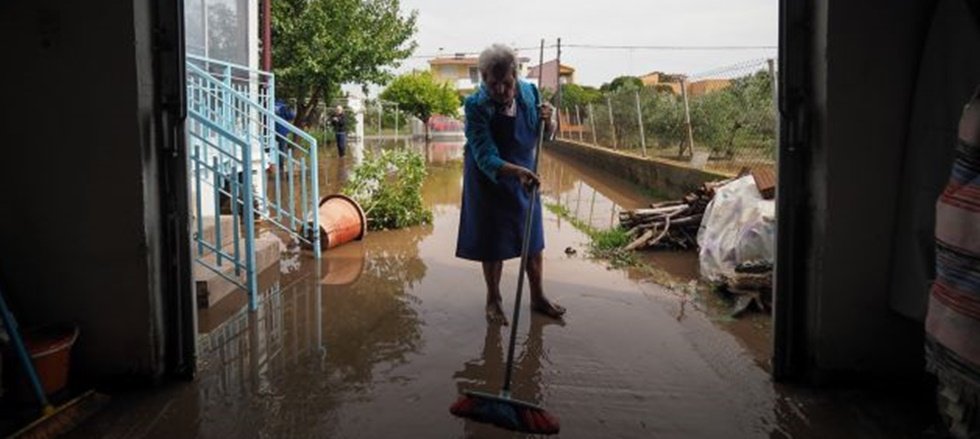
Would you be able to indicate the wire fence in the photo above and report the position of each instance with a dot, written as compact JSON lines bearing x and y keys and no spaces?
{"x":723,"y":120}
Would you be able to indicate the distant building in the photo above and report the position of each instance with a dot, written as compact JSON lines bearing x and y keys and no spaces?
{"x":654,"y":79}
{"x":463,"y":72}
{"x":695,"y":88}
{"x":550,"y":79}
{"x":704,"y":86}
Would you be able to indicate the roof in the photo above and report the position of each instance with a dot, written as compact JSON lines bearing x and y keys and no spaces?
{"x":666,"y":76}
{"x":565,"y":69}
{"x":448,"y":60}
{"x":454,"y":60}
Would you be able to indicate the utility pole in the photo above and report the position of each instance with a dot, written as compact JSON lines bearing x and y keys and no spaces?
{"x":558,"y":83}
{"x":266,"y":35}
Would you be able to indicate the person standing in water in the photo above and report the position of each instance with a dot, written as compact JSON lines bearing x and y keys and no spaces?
{"x":338,"y":120}
{"x":502,"y":118}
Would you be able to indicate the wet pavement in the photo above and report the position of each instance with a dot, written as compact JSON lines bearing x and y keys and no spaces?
{"x":379,"y":339}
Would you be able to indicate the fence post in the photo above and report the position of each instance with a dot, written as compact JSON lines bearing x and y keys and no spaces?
{"x":595,"y":140}
{"x":612,"y":125}
{"x":687,"y":118}
{"x":639,"y":119}
{"x":396,"y":122}
{"x":578,"y":117}
{"x":775,"y":100}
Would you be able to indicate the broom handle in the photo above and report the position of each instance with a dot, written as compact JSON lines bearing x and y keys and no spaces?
{"x":525,"y":244}
{"x":25,"y":358}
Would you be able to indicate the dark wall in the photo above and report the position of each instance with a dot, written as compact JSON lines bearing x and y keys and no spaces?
{"x":865,"y":59}
{"x":79,"y":238}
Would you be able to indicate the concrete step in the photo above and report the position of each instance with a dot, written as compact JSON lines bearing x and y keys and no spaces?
{"x":211,"y":287}
{"x":227,"y":227}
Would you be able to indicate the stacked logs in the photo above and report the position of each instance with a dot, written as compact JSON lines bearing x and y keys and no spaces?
{"x":669,"y":224}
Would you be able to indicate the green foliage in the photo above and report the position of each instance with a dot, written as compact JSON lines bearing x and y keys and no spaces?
{"x":421,"y":95}
{"x":321,"y":44}
{"x":622,"y":83}
{"x":603,"y":244}
{"x":739,"y":117}
{"x":389,"y":188}
{"x":573,"y":95}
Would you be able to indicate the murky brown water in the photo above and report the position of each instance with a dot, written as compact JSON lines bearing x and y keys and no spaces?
{"x":379,"y":340}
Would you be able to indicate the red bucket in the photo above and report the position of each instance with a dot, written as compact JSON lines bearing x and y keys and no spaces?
{"x":341,"y":221}
{"x":50,"y":350}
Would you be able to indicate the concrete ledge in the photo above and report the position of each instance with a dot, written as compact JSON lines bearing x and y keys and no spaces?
{"x":669,"y":178}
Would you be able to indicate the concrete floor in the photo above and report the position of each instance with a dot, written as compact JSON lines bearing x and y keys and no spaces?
{"x":378,"y":341}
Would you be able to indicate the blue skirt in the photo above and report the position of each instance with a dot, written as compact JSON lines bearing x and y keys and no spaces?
{"x":491,"y":223}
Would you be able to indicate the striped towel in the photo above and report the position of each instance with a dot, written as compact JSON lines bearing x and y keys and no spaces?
{"x":953,"y":319}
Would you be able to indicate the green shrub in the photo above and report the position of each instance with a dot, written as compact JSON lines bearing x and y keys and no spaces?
{"x":388,"y":186}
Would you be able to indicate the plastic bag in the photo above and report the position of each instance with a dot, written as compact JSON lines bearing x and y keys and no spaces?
{"x":738,"y":226}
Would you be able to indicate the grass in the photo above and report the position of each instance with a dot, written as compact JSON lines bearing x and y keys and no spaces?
{"x":603,"y":244}
{"x":608,"y":245}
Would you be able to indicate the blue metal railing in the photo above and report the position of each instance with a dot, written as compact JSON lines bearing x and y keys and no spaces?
{"x":234,"y":144}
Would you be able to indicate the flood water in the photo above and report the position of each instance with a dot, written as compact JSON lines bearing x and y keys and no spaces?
{"x":378,"y":340}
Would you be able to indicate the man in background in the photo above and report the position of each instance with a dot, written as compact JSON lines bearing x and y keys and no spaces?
{"x":338,"y":120}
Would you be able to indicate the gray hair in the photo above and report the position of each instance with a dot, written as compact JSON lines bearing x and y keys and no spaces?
{"x":498,"y":58}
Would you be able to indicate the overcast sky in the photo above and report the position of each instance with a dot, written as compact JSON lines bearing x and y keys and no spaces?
{"x":469,"y":26}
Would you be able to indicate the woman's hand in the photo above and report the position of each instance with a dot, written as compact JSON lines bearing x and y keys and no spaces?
{"x":527,"y":178}
{"x":546,"y":111}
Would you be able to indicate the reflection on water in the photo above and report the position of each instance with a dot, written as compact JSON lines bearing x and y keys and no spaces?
{"x":485,"y":372}
{"x":378,"y":339}
{"x":317,"y":341}
{"x":587,"y":194}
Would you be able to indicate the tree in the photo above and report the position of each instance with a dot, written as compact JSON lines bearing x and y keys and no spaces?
{"x":574,"y":94}
{"x":421,"y":95}
{"x":622,"y":83}
{"x":320,"y":44}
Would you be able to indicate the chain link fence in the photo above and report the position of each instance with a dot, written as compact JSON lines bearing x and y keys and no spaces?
{"x":723,"y":119}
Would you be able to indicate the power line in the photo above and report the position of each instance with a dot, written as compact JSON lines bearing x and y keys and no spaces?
{"x":614,"y":47}
{"x":609,"y":47}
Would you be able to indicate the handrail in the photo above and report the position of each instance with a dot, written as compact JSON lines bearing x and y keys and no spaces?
{"x":227,"y":123}
{"x":235,"y":93}
{"x":260,"y":73}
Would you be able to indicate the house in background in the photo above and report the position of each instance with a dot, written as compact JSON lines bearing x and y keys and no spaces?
{"x":655,"y":79}
{"x":673,"y":81}
{"x":463,"y":72}
{"x":705,"y":86}
{"x":552,"y":75}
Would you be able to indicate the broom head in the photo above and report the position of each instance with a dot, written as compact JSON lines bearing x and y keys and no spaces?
{"x":505,"y":412}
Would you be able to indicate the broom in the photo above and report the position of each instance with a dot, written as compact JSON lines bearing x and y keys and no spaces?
{"x":502,"y":410}
{"x":53,"y":421}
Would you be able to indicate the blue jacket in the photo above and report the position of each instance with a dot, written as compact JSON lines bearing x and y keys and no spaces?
{"x":480,"y":109}
{"x":283,"y":111}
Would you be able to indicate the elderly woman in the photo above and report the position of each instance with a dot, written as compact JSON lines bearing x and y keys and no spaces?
{"x":502,"y":119}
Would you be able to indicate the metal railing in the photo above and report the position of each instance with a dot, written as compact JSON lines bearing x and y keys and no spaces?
{"x":241,"y":152}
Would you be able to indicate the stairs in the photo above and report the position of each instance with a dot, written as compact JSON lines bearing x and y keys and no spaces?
{"x":234,"y":138}
{"x":211,"y":286}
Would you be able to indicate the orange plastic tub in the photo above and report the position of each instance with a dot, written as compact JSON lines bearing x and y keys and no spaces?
{"x":50,"y":350}
{"x":341,"y":221}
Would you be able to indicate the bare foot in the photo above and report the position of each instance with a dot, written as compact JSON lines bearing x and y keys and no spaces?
{"x":546,"y":307}
{"x":495,"y":313}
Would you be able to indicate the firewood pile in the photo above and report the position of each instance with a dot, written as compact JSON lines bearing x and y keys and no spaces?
{"x":669,"y":224}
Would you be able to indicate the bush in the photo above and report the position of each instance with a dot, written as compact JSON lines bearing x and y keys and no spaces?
{"x":389,"y":188}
